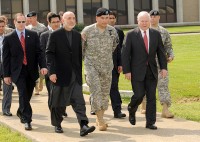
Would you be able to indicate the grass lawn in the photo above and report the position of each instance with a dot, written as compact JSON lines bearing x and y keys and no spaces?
{"x":6,"y":135}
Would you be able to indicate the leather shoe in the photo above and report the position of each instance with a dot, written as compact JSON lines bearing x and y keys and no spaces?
{"x":65,"y":114}
{"x":86,"y":129}
{"x":22,"y":118}
{"x":119,"y":115}
{"x":152,"y":127}
{"x":58,"y":129}
{"x":92,"y":113}
{"x":131,"y":116}
{"x":7,"y":113}
{"x":28,"y":126}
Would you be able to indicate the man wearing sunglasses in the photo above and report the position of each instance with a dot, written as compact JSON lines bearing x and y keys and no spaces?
{"x":21,"y":56}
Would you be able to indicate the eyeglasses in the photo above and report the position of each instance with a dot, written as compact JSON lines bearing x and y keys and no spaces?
{"x":20,"y":22}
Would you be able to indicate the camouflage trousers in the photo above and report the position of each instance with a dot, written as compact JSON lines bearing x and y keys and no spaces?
{"x":99,"y":84}
{"x":163,"y":90}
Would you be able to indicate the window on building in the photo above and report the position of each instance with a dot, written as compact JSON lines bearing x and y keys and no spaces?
{"x":9,"y":8}
{"x":167,"y":9}
{"x":66,"y":5}
{"x":42,"y":7}
{"x":142,"y":5}
{"x":120,"y":7}
{"x":89,"y":10}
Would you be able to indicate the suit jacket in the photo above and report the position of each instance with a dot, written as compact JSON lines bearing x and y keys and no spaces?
{"x":44,"y":40}
{"x":13,"y":55}
{"x":62,"y":58}
{"x":117,"y":53}
{"x":135,"y":57}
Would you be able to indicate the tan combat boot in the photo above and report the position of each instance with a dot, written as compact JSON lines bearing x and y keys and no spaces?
{"x":165,"y":112}
{"x":100,"y":122}
{"x":143,"y":106}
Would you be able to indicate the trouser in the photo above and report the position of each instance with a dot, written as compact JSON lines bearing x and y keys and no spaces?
{"x":99,"y":84}
{"x":7,"y":97}
{"x":146,"y":87}
{"x":78,"y":104}
{"x":114,"y":93}
{"x":25,"y":86}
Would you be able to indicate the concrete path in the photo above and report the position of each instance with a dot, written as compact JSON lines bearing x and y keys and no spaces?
{"x":119,"y":130}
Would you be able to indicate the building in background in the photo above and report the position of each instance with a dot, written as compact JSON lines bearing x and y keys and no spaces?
{"x":171,"y":11}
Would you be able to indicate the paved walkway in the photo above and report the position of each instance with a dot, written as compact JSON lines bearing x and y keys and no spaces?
{"x":169,"y":130}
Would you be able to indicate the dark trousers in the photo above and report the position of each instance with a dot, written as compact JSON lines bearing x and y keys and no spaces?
{"x":114,"y":92}
{"x":48,"y":85}
{"x":77,"y":102}
{"x":7,"y":97}
{"x":148,"y":88}
{"x":25,"y":86}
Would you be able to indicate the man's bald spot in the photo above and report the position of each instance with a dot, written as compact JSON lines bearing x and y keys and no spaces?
{"x":68,"y":13}
{"x":142,"y":14}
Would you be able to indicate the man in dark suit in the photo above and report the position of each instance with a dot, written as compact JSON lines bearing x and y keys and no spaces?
{"x":53,"y":24}
{"x":64,"y":61}
{"x":114,"y":90}
{"x":21,"y":56}
{"x":142,"y":44}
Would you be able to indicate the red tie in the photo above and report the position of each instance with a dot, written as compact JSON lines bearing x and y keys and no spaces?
{"x":146,"y":41}
{"x":22,"y":40}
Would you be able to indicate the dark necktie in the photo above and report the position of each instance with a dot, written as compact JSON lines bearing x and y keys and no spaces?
{"x":22,"y":40}
{"x":146,"y":41}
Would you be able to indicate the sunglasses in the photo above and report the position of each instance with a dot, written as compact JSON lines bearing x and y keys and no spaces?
{"x":20,"y":22}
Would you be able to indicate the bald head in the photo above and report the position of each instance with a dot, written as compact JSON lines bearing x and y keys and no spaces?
{"x":69,"y":20}
{"x":143,"y":19}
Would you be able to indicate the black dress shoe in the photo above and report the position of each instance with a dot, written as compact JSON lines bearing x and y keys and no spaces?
{"x":119,"y":115}
{"x":22,"y":118}
{"x":7,"y":113}
{"x":86,"y":129}
{"x":58,"y":129}
{"x":152,"y":127}
{"x":28,"y":126}
{"x":131,"y":115}
{"x":65,"y":114}
{"x":92,"y":113}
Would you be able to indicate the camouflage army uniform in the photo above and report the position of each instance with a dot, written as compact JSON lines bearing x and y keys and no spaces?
{"x":38,"y":28}
{"x":163,"y":90}
{"x":98,"y":63}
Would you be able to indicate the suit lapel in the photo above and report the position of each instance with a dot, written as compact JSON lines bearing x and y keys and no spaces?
{"x":140,"y":38}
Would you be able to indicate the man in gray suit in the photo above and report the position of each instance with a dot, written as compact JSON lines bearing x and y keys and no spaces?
{"x":7,"y":89}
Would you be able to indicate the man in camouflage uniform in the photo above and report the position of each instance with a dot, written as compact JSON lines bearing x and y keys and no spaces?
{"x":163,"y":90}
{"x":100,"y":41}
{"x":39,"y":28}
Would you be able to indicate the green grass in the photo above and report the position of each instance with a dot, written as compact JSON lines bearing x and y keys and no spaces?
{"x":6,"y":135}
{"x":184,"y":29}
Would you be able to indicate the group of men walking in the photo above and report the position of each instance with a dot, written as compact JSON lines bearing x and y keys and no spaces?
{"x":59,"y":52}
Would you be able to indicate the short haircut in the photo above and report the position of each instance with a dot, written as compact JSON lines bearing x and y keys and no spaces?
{"x":113,"y":13}
{"x":18,"y":14}
{"x":51,"y":15}
{"x":2,"y":20}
